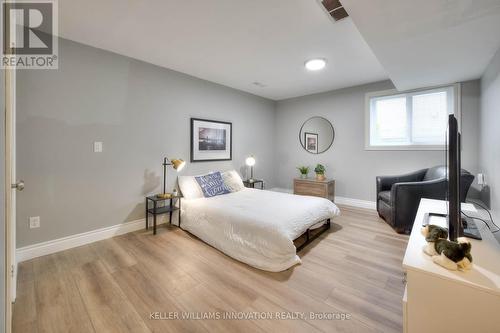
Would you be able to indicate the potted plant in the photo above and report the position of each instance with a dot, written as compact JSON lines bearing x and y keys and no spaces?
{"x":320,"y":172}
{"x":304,"y":170}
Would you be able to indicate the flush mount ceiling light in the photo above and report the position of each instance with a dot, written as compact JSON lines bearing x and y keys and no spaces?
{"x":315,"y":64}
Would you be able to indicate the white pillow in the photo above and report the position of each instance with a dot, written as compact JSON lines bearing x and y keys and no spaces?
{"x":233,"y":181}
{"x":189,"y":187}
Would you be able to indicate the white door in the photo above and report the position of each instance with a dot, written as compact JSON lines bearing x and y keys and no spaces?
{"x":11,"y":186}
{"x":16,"y":185}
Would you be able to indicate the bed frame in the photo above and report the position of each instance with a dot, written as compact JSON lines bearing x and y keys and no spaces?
{"x":311,"y":235}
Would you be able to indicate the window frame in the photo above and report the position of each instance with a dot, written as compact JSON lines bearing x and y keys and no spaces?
{"x":456,"y":88}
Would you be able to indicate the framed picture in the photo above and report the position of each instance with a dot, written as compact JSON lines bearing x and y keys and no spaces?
{"x":211,"y":140}
{"x":311,"y":141}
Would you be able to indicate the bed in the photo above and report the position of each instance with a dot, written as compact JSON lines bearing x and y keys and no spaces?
{"x":257,"y":227}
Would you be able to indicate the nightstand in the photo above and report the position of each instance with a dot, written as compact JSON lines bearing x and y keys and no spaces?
{"x":250,"y":183}
{"x":317,"y":188}
{"x":164,"y":208}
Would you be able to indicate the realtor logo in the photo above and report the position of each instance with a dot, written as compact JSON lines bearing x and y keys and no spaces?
{"x":29,"y":34}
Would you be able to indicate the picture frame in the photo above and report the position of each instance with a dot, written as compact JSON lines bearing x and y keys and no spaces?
{"x":311,"y":142}
{"x":211,"y":140}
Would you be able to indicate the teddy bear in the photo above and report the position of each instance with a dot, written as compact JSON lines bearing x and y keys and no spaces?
{"x":451,"y":255}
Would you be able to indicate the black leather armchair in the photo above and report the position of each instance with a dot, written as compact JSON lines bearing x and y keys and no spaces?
{"x":398,"y":197}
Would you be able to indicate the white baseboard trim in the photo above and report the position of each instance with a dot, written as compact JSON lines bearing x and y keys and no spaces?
{"x":65,"y":243}
{"x":356,"y":203}
{"x":339,"y":200}
{"x":281,"y":189}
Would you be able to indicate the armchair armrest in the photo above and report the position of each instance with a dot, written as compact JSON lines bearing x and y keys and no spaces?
{"x":384,"y":183}
{"x":406,"y":198}
{"x":432,"y":189}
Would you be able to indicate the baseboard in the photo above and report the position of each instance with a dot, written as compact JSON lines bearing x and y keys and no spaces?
{"x":339,"y":200}
{"x":356,"y":203}
{"x":65,"y":243}
{"x":281,"y":189}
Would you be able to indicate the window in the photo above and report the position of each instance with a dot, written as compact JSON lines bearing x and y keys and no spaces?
{"x":412,"y":120}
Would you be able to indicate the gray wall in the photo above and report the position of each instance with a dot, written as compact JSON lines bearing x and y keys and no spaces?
{"x":353,"y":167}
{"x":489,"y":156}
{"x":2,"y":201}
{"x":141,"y":112}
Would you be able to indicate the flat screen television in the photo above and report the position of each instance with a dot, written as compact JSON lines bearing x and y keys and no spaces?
{"x":457,"y":226}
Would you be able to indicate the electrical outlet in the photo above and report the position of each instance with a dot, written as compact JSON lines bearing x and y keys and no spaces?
{"x":34,"y":222}
{"x":480,"y":179}
{"x":98,"y":147}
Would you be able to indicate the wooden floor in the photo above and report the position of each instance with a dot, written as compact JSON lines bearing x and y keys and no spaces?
{"x":115,"y":285}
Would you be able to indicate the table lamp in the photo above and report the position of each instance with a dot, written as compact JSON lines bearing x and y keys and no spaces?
{"x":178,"y":165}
{"x":250,"y":161}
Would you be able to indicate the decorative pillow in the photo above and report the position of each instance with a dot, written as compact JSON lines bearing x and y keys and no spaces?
{"x":212,"y":184}
{"x":189,"y":187}
{"x":233,"y":181}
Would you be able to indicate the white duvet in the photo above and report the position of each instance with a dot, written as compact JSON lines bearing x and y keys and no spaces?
{"x":254,"y":226}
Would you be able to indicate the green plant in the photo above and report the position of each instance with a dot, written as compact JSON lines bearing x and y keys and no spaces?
{"x":304,"y":170}
{"x":319,"y":169}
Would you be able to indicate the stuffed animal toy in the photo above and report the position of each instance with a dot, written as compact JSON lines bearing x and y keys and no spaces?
{"x":433,"y":232}
{"x":450,"y":255}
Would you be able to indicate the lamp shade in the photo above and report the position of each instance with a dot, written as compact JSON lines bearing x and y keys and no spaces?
{"x":250,"y":161}
{"x":178,"y":164}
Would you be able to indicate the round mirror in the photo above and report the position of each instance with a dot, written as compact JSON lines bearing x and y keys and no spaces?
{"x":316,"y":135}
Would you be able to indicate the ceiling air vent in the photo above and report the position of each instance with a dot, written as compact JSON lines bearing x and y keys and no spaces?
{"x":335,"y":9}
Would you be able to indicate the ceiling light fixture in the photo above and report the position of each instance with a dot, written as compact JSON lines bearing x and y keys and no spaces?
{"x":315,"y":64}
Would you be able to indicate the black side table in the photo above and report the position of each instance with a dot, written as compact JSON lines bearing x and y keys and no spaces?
{"x":251,"y":183}
{"x":162,"y":209}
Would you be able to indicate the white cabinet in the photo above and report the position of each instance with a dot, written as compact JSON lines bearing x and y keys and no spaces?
{"x":440,"y":300}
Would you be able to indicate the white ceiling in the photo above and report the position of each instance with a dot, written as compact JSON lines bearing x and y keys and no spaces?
{"x":231,"y":42}
{"x":429,"y":42}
